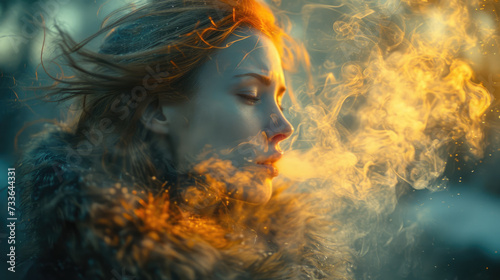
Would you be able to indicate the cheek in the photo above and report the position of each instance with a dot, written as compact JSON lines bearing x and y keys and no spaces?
{"x":223,"y":125}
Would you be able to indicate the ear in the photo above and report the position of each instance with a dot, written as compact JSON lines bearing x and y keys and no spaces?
{"x":156,"y":118}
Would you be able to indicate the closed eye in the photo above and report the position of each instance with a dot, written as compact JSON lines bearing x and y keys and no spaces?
{"x":252,"y":100}
{"x":249,"y":99}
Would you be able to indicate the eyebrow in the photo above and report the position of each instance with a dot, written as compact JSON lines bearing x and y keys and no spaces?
{"x":263,"y":79}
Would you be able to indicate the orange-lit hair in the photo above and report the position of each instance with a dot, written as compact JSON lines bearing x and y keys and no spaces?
{"x":172,"y":37}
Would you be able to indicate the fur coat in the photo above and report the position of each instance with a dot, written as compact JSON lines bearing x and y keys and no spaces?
{"x":80,"y":224}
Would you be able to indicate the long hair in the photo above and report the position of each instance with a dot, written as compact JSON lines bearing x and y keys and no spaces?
{"x":75,"y":226}
{"x":148,"y":53}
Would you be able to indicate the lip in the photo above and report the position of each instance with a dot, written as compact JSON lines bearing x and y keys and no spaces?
{"x":268,"y":161}
{"x":270,"y":158}
{"x":271,"y":169}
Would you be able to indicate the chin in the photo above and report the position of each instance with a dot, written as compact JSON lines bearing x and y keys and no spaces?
{"x":262,"y":192}
{"x":250,"y":183}
{"x":259,"y":192}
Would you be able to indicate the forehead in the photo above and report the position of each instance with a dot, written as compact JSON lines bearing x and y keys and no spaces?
{"x":249,"y":51}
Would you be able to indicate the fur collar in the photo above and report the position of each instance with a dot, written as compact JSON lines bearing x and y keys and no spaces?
{"x":81,"y":225}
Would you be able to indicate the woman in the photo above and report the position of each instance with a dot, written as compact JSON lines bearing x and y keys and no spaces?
{"x":166,"y":171}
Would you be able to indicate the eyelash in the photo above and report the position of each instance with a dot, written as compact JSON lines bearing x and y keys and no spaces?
{"x":253,"y":100}
{"x":248,"y":98}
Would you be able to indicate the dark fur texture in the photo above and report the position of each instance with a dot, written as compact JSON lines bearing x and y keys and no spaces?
{"x":82,"y":225}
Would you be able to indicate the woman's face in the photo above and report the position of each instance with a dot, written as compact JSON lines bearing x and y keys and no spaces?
{"x":232,"y":126}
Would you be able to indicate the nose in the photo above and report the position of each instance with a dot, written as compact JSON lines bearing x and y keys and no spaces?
{"x":279,"y":128}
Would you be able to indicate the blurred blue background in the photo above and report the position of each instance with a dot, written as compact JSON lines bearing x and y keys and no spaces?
{"x":459,"y":227}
